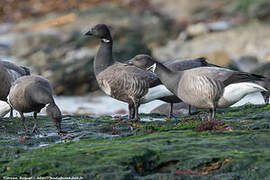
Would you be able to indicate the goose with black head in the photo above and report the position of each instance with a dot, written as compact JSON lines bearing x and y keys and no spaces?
{"x":205,"y":87}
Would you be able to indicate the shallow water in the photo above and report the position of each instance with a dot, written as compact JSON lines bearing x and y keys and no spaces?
{"x":104,"y":105}
{"x":78,"y":127}
{"x":98,"y":105}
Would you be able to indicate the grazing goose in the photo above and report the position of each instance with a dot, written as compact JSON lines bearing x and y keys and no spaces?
{"x":31,"y":94}
{"x":205,"y":87}
{"x":263,"y":70}
{"x":265,"y":94}
{"x":9,"y":72}
{"x":177,"y":65}
{"x":122,"y":81}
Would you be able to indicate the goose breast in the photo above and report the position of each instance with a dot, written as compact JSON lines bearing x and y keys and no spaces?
{"x":124,"y":82}
{"x":199,"y":91}
{"x":30,"y":93}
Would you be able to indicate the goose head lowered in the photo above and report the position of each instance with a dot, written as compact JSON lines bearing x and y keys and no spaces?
{"x":143,"y":62}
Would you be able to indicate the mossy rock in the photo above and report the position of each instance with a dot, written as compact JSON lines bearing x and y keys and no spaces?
{"x":114,"y":148}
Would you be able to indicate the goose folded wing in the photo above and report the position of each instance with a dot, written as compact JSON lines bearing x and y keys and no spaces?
{"x":238,"y":77}
{"x":181,"y":65}
{"x":144,"y":75}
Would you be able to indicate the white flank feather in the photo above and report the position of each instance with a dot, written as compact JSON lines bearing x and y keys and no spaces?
{"x":4,"y":108}
{"x":155,"y":93}
{"x":235,"y":92}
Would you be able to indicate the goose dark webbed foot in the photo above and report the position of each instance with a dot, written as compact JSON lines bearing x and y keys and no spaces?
{"x":170,"y":116}
{"x":212,"y":116}
{"x":266,"y":100}
{"x":27,"y":133}
{"x":35,"y":130}
{"x":136,"y":119}
{"x":62,"y":132}
{"x":11,"y":114}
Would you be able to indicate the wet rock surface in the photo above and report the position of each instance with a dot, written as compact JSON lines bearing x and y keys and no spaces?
{"x":106,"y":147}
{"x":179,"y":109}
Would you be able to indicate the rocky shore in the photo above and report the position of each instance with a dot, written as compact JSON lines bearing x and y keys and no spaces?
{"x":236,"y":147}
{"x":49,"y":39}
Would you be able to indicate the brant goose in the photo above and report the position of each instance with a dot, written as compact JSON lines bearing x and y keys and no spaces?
{"x":205,"y":87}
{"x":31,"y":94}
{"x":122,"y":81}
{"x":176,"y":65}
{"x":9,"y":72}
{"x":265,"y":94}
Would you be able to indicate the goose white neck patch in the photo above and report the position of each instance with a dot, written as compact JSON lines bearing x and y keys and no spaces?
{"x":153,"y":67}
{"x":105,"y":40}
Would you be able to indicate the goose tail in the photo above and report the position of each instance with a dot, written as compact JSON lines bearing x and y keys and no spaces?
{"x":4,"y":108}
{"x":156,"y":93}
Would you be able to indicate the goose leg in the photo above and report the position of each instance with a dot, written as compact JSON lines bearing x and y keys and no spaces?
{"x":136,"y":107}
{"x":11,"y":113}
{"x":189,"y":109}
{"x":136,"y":112}
{"x":23,"y":123}
{"x":265,"y":97}
{"x":171,"y":111}
{"x":130,"y":111}
{"x":35,"y":128}
{"x":212,"y":114}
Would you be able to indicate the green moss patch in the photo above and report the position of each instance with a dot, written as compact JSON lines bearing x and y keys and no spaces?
{"x":114,"y":148}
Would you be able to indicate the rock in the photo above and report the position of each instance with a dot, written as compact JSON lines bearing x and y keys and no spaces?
{"x":179,"y":109}
{"x":191,"y":11}
{"x":232,"y":43}
{"x":64,"y":56}
{"x":197,"y":29}
{"x":66,"y":59}
{"x":54,"y":56}
{"x":72,"y":75}
{"x":204,"y":28}
{"x":262,"y":70}
{"x":260,"y":10}
{"x":221,"y":25}
{"x":31,"y":42}
{"x":246,"y":63}
{"x":219,"y":57}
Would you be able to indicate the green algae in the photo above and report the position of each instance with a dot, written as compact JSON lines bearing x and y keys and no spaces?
{"x":114,"y":148}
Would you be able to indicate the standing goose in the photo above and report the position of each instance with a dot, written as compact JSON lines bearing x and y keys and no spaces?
{"x":31,"y":94}
{"x":9,"y":72}
{"x":206,"y":87}
{"x":122,"y":81}
{"x":177,"y":65}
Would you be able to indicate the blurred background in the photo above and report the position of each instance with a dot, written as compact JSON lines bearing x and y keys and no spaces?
{"x":47,"y":36}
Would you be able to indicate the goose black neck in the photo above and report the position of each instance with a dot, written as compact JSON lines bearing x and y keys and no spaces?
{"x":169,"y":78}
{"x":103,"y":58}
{"x":161,"y":69}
